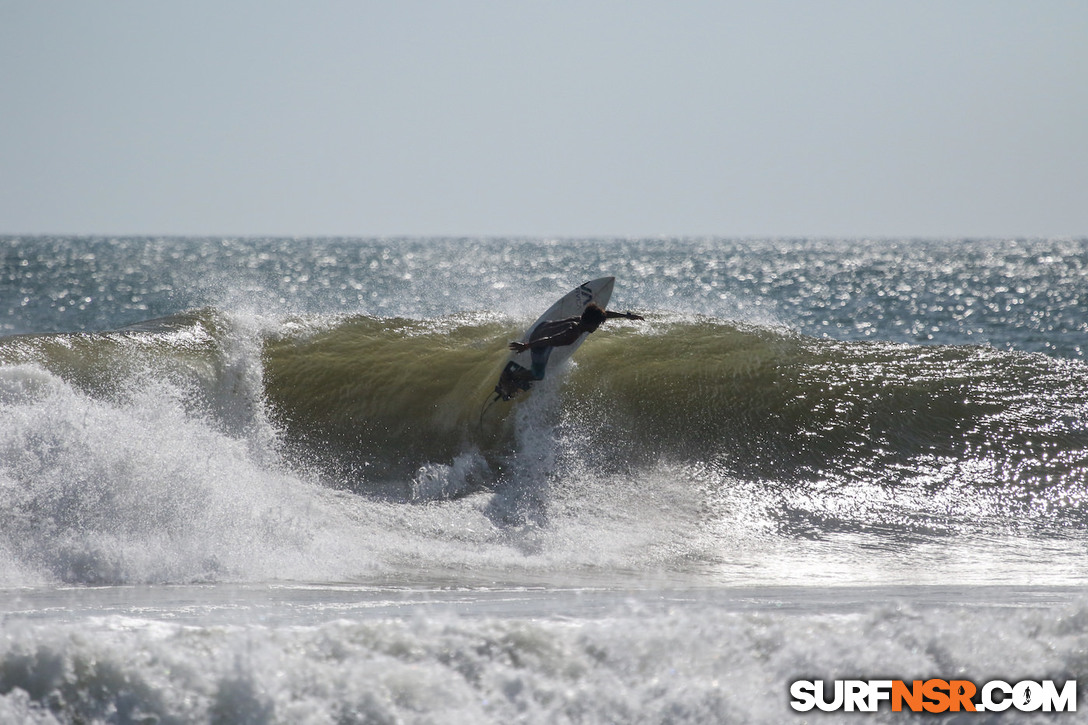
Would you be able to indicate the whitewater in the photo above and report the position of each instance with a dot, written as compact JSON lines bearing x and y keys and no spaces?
{"x":248,"y":481}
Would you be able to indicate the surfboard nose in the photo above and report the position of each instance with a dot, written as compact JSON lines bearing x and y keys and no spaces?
{"x":606,"y":288}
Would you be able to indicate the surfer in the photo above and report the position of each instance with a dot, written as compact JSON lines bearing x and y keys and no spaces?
{"x":564,"y":325}
{"x":557,"y":333}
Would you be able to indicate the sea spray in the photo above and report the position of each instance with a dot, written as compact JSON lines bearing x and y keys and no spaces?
{"x":139,"y":490}
{"x":435,"y":481}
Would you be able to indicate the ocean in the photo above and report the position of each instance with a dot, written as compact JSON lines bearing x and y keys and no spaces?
{"x":254,"y":481}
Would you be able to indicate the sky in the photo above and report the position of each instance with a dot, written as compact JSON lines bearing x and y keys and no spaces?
{"x":822,"y":118}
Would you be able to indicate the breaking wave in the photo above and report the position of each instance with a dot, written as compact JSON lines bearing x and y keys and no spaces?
{"x":203,"y":445}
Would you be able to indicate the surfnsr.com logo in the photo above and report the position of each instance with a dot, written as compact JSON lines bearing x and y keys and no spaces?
{"x":933,"y":695}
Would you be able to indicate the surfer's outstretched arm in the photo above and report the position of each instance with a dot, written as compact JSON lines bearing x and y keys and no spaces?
{"x":570,"y":332}
{"x":566,"y":337}
{"x":625,"y":315}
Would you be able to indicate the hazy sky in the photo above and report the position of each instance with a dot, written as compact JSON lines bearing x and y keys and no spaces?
{"x":579,"y":118}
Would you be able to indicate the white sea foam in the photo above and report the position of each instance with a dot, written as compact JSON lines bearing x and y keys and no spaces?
{"x":650,"y":656}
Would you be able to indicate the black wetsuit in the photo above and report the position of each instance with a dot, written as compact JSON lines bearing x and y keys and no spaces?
{"x":550,"y":328}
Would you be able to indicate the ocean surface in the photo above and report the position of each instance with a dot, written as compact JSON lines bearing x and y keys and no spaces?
{"x":254,"y":480}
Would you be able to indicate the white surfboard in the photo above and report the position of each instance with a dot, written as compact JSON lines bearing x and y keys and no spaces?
{"x":570,"y":305}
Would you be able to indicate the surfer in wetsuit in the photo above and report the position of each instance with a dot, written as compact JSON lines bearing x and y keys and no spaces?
{"x":557,"y":333}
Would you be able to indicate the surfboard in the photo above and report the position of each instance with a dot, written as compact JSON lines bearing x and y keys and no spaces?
{"x":569,"y":305}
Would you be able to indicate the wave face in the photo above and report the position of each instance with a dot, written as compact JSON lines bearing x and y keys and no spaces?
{"x":713,"y":440}
{"x":762,"y":401}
